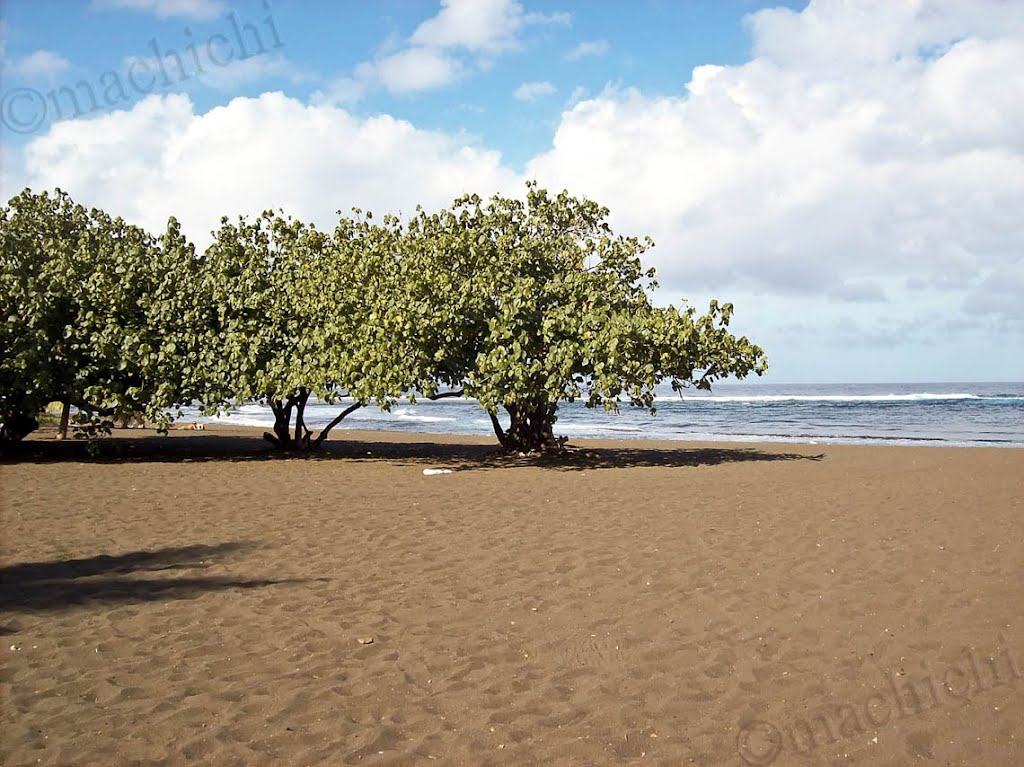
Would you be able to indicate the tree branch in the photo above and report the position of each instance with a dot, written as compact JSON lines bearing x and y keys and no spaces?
{"x":347,"y":411}
{"x":498,"y":431}
{"x":447,"y":394}
{"x":300,"y":410}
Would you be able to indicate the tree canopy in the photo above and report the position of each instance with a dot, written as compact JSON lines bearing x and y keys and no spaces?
{"x":521,"y":304}
{"x":91,"y":314}
{"x":538,"y":302}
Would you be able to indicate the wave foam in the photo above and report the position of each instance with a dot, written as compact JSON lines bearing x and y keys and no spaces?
{"x":914,"y":397}
{"x":407,"y":414}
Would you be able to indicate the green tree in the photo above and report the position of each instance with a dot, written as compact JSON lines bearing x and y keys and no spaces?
{"x":38,"y":356}
{"x":295,"y":313}
{"x":255,"y":339}
{"x":365,"y":305}
{"x":531,"y":304}
{"x":92,"y":315}
{"x":135,"y":340}
{"x":522,"y":305}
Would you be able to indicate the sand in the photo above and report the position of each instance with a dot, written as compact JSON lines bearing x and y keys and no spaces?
{"x":195,"y":602}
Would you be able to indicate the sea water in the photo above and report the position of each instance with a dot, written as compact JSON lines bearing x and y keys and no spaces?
{"x":972,"y":414}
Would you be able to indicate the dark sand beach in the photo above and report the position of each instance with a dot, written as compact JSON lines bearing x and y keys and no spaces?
{"x":195,"y":601}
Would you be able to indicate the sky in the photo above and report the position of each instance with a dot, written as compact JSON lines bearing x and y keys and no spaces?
{"x":849,"y":173}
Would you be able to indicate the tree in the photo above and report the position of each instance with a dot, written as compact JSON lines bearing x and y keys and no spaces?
{"x":37,"y":363}
{"x":366,"y":310}
{"x":52,"y":250}
{"x":294,"y":313}
{"x":537,"y":303}
{"x":134,"y":330}
{"x":522,"y":305}
{"x":253,"y":328}
{"x":93,"y":316}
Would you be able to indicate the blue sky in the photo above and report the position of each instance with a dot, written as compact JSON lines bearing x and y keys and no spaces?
{"x":850,"y":173}
{"x":312,"y":44}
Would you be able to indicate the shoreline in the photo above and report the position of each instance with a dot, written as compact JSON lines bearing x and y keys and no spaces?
{"x":342,"y":435}
{"x":968,"y":415}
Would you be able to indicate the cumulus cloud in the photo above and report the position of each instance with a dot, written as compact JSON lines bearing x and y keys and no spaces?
{"x":864,"y":145}
{"x":161,"y":158}
{"x":867,"y":161}
{"x":464,"y":36}
{"x":587,"y":48}
{"x":251,"y":70}
{"x":838,"y":36}
{"x":482,"y":26}
{"x":38,"y":64}
{"x":411,"y":69}
{"x":534,"y":91}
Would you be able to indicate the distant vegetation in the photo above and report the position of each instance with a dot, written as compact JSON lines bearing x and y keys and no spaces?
{"x":521,"y":305}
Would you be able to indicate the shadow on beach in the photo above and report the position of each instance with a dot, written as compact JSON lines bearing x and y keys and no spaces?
{"x":60,"y":584}
{"x":455,"y":455}
{"x":573,"y":458}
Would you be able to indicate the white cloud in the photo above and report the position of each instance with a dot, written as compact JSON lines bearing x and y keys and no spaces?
{"x":409,"y":70}
{"x":480,"y":26}
{"x":587,"y":48}
{"x":161,"y":158}
{"x":534,"y":91}
{"x":464,"y":36}
{"x":557,"y":18}
{"x":579,"y":93}
{"x":412,"y":69}
{"x":39,"y":64}
{"x":837,"y":36}
{"x":340,"y":91}
{"x":865,"y":144}
{"x":253,"y":69}
{"x":175,"y":71}
{"x":193,"y":9}
{"x":862,"y":177}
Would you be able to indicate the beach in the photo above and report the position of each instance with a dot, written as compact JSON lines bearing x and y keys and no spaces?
{"x":198,"y":600}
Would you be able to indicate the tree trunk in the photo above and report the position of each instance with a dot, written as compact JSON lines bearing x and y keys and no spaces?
{"x":530,"y":429}
{"x":299,"y":437}
{"x":302,"y":434}
{"x":65,"y":415}
{"x":282,"y":436}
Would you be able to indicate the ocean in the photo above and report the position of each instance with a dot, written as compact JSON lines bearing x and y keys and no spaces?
{"x":964,"y":414}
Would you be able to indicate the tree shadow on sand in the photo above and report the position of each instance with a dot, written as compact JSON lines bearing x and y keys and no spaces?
{"x":61,"y":584}
{"x":459,"y":455}
{"x":464,"y":457}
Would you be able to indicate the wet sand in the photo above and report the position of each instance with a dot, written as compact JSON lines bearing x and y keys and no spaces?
{"x":194,"y":600}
